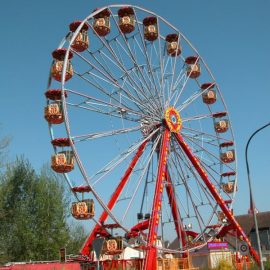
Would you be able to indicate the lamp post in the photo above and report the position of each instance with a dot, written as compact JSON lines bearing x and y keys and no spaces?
{"x":251,"y":195}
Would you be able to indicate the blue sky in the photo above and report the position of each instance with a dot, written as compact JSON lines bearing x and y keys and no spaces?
{"x":232,"y":36}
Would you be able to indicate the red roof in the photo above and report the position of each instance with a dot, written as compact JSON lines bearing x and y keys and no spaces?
{"x":74,"y":25}
{"x":81,"y":189}
{"x":149,"y":21}
{"x":192,"y":59}
{"x":226,"y":144}
{"x":104,"y":13}
{"x":61,"y":142}
{"x":172,"y":37}
{"x":208,"y":85}
{"x":219,"y":114}
{"x":228,"y":174}
{"x":54,"y":94}
{"x":59,"y":54}
{"x":125,"y":11}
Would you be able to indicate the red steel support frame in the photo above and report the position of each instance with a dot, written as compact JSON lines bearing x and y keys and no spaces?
{"x":114,"y":198}
{"x":175,"y":211}
{"x":150,"y":261}
{"x":195,"y":162}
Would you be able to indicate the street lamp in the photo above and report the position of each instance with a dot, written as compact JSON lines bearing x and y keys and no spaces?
{"x":251,"y":195}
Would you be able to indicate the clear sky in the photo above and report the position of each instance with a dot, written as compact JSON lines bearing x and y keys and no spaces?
{"x":232,"y":36}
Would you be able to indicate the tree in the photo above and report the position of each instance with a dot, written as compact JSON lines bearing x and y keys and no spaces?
{"x":51,"y":211}
{"x":4,"y":142}
{"x":33,"y":212}
{"x":77,"y":236}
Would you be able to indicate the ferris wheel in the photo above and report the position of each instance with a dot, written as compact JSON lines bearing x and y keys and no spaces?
{"x":142,"y":135}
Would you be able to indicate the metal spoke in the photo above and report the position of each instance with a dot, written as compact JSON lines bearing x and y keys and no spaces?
{"x":173,"y":70}
{"x":121,"y":157}
{"x":201,"y":133}
{"x":188,"y":191}
{"x":197,"y":117}
{"x":119,"y":106}
{"x":139,"y":105}
{"x":209,"y":153}
{"x":148,"y":160}
{"x":109,"y":80}
{"x":200,"y":188}
{"x":118,"y":62}
{"x":148,"y":62}
{"x":191,"y":99}
{"x":184,"y":85}
{"x":113,"y":113}
{"x":97,"y":135}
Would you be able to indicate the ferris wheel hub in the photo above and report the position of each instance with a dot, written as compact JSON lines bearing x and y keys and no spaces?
{"x":173,"y":119}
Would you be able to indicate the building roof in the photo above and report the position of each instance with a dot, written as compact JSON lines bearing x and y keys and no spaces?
{"x":247,"y":224}
{"x":247,"y":221}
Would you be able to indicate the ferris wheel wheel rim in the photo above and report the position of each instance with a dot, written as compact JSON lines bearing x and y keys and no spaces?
{"x":66,"y":59}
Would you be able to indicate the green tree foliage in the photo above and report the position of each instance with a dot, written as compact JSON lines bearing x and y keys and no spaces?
{"x":267,"y":265}
{"x":4,"y":142}
{"x":33,"y":215}
{"x":254,"y":266}
{"x":76,"y":239}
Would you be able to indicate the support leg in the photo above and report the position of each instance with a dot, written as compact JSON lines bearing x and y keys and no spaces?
{"x":195,"y":162}
{"x":150,"y":261}
{"x":114,"y":198}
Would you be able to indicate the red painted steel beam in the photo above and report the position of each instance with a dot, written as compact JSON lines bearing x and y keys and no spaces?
{"x":195,"y":162}
{"x":150,"y":261}
{"x":192,"y":233}
{"x":113,"y":199}
{"x":81,"y":189}
{"x":225,"y":230}
{"x":141,"y":226}
{"x":175,"y":211}
{"x":138,"y":228}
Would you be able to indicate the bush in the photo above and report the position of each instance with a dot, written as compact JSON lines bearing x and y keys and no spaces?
{"x":254,"y":266}
{"x":224,"y":265}
{"x":267,"y":265}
